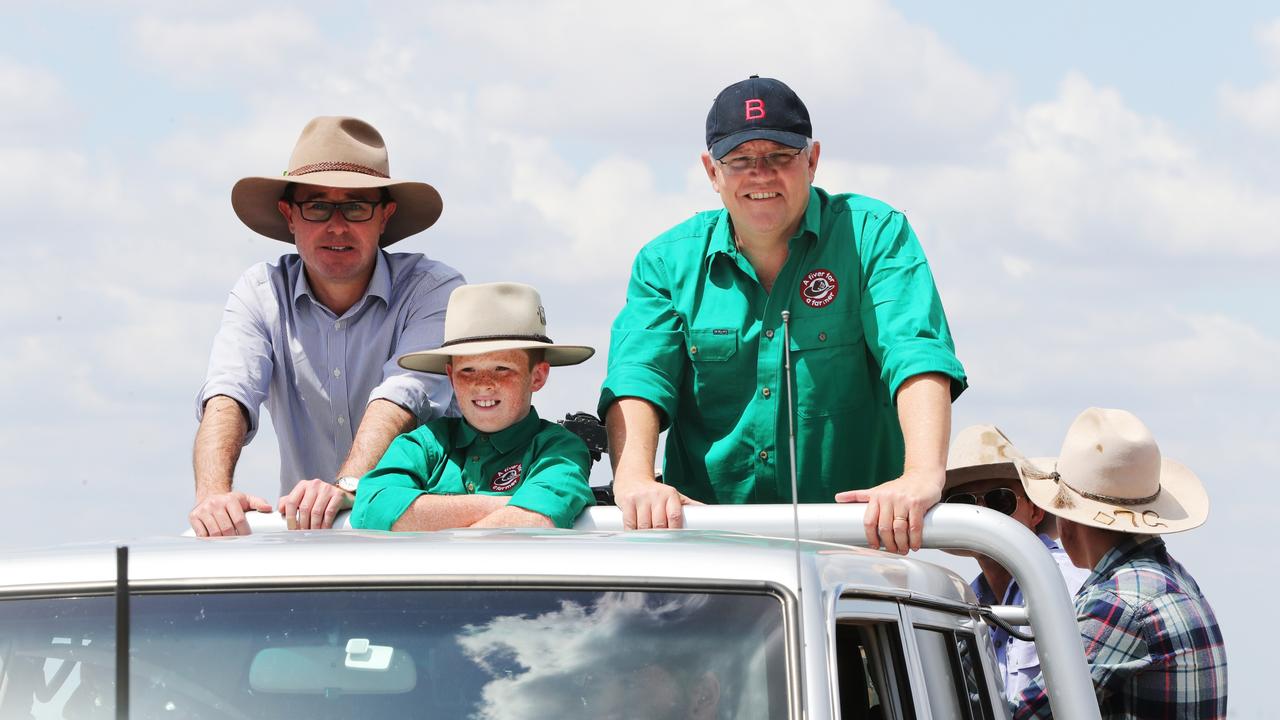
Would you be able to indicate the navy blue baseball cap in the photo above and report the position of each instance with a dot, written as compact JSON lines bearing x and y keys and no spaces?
{"x":756,"y":109}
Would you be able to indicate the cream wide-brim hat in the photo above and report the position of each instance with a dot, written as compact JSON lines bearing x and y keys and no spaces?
{"x":341,"y":152}
{"x":984,"y":452}
{"x":493,"y":317}
{"x":1111,"y":475}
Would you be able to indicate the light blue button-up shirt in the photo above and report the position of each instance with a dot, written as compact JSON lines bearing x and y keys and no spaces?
{"x":316,"y":371}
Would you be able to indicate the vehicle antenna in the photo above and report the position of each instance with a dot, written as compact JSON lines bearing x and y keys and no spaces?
{"x":795,"y":492}
{"x":122,"y":632}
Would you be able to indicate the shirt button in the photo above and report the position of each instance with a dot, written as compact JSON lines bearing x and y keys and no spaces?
{"x":693,"y":349}
{"x":765,"y":392}
{"x":475,"y":458}
{"x":764,"y":455}
{"x":768,"y":334}
{"x":822,"y":337}
{"x":337,"y":372}
{"x":342,"y":420}
{"x":337,"y":325}
{"x":471,"y":488}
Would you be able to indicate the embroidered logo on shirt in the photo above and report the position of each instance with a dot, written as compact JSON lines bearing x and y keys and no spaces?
{"x":505,"y":479}
{"x":819,"y":288}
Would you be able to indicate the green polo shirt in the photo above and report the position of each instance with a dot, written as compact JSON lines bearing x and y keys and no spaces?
{"x":542,"y":466}
{"x":701,"y":339}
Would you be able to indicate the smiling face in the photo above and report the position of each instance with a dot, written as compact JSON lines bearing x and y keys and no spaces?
{"x":337,"y":252}
{"x":764,"y":202}
{"x":494,"y":390}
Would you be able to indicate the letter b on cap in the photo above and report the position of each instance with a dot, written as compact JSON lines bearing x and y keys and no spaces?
{"x":755,"y":109}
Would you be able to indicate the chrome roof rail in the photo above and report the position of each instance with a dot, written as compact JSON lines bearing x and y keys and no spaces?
{"x":946,"y":527}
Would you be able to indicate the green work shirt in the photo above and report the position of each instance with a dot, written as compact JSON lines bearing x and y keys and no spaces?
{"x":542,"y":466}
{"x":701,"y":339}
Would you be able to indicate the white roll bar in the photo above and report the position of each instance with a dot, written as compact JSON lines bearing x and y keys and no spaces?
{"x":946,"y":527}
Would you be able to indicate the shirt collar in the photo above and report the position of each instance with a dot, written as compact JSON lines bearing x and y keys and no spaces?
{"x":983,"y":590}
{"x":722,"y":234}
{"x":379,"y":284}
{"x":1124,"y":552}
{"x":505,"y":440}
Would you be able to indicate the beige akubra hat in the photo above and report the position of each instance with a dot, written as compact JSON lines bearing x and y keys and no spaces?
{"x":981,"y":452}
{"x":984,"y":452}
{"x":492,"y":317}
{"x":340,"y":152}
{"x":1110,"y":475}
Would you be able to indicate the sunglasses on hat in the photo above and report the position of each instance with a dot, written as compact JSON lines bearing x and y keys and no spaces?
{"x":1001,"y":500}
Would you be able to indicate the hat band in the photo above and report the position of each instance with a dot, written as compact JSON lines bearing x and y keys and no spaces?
{"x":487,"y":338}
{"x":330,"y":166}
{"x":1107,"y":498}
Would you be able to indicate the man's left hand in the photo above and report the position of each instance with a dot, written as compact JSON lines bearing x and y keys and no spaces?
{"x":895,"y":512}
{"x":313,"y":504}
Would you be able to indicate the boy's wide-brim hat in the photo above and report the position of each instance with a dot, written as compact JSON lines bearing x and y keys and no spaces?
{"x":341,"y":152}
{"x":493,"y":317}
{"x":1111,"y":475}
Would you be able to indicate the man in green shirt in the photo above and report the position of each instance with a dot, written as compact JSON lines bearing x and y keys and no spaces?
{"x":698,"y":347}
{"x":499,"y":465}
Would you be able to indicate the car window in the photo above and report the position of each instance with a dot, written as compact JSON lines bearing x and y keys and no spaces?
{"x":955,"y":683}
{"x":476,"y":653}
{"x":872,"y":676}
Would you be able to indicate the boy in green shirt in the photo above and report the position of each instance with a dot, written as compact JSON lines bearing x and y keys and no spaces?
{"x":498,"y":465}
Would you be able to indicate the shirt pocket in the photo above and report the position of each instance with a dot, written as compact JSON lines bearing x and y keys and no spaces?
{"x":717,"y":374}
{"x":828,"y":358}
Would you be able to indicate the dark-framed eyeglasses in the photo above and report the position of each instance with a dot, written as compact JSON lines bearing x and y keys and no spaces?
{"x":322,"y":210}
{"x":772,"y":161}
{"x":1000,"y":499}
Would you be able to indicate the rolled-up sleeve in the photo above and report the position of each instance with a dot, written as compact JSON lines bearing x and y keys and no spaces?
{"x":387,"y":491}
{"x":907,"y":331}
{"x":556,"y":482}
{"x":426,"y":396}
{"x":647,"y":346}
{"x":240,"y":363}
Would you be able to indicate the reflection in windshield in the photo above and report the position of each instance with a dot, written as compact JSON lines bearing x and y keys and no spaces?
{"x":488,"y":654}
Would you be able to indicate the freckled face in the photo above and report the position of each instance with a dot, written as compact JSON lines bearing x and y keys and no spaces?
{"x":495,"y":389}
{"x":765,"y":201}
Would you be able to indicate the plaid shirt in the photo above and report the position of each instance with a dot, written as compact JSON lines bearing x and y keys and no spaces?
{"x":1150,"y":637}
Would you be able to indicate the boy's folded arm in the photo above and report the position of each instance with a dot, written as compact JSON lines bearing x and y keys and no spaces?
{"x":441,"y":512}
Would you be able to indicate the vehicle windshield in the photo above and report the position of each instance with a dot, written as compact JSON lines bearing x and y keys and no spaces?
{"x":475,"y":653}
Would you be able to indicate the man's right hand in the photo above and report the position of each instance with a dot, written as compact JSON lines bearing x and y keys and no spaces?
{"x":647,"y":503}
{"x":222,"y":514}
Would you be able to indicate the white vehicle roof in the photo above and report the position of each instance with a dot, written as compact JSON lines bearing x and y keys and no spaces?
{"x":475,"y":556}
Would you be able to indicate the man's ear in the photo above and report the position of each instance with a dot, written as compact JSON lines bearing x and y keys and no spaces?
{"x":1037,"y":515}
{"x":538,"y":376}
{"x":704,"y":697}
{"x":813,"y":159}
{"x":286,"y":209}
{"x":388,"y":209}
{"x":710,"y":166}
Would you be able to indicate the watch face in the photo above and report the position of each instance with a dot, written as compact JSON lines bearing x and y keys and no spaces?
{"x":348,"y":483}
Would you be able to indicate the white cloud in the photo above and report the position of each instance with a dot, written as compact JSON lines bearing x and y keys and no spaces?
{"x":33,"y":98}
{"x":209,"y":46}
{"x":1258,"y":108}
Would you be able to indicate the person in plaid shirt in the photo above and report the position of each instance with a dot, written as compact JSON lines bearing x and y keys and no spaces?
{"x":1150,"y":637}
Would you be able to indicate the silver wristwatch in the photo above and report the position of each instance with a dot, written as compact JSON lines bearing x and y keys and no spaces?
{"x":349,"y":483}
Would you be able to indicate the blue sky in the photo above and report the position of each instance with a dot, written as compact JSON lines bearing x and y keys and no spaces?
{"x":1094,"y":184}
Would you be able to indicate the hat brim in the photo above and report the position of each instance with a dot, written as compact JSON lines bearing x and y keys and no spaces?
{"x":255,"y":199}
{"x":1181,"y":505}
{"x":433,"y":361}
{"x":724,"y":145}
{"x":971,"y":473}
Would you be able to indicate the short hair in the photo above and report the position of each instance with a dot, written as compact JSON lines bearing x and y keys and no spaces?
{"x":536,"y":355}
{"x":384,"y":194}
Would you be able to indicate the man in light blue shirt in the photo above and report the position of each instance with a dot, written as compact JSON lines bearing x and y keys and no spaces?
{"x":315,"y":337}
{"x":981,"y":471}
